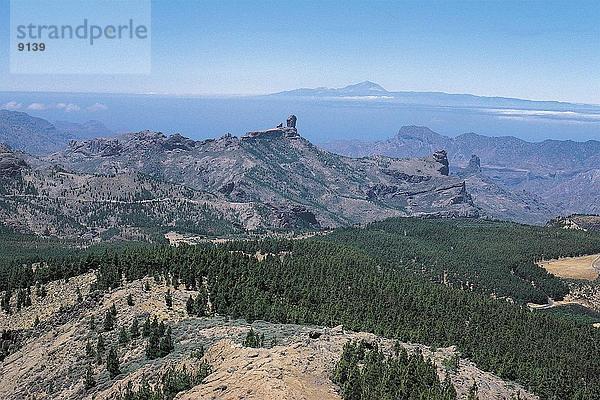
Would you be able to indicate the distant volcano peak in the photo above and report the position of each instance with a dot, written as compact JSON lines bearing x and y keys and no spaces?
{"x":366,"y":85}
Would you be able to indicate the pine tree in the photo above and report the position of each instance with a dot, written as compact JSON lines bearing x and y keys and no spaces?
{"x":130,"y":300}
{"x":113,"y":310}
{"x":109,"y":322}
{"x":6,"y":302}
{"x":190,"y":306}
{"x":153,"y":346}
{"x":89,"y":381}
{"x":36,"y":322}
{"x":201,"y":309}
{"x":166,"y":343}
{"x":123,"y":338}
{"x":253,"y":339}
{"x":112,"y":363}
{"x":161,"y":328}
{"x":134,"y":331}
{"x":169,"y":299}
{"x":79,"y":296}
{"x":146,"y":328}
{"x":92,"y":323}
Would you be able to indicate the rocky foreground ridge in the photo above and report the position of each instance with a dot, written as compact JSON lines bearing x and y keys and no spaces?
{"x":50,"y":360}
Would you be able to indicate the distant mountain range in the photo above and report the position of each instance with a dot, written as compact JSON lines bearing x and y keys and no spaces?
{"x":563,"y":175}
{"x":368,"y":89}
{"x":37,"y":136}
{"x":272,"y":179}
{"x":276,"y":179}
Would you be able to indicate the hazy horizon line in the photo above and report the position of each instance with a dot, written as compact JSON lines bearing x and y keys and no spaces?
{"x":239,"y":95}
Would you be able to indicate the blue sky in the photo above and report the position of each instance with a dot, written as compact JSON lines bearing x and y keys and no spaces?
{"x":529,"y":49}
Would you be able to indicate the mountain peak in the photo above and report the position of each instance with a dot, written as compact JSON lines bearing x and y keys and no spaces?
{"x":417,"y":132}
{"x":362,"y":87}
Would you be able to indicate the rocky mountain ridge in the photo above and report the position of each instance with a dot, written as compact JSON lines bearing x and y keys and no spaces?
{"x":33,"y":135}
{"x":279,"y":167}
{"x":269,"y":179}
{"x":561,"y":176}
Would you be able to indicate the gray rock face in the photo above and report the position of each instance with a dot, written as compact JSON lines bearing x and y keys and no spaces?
{"x":273,"y":133}
{"x":10,"y":164}
{"x":291,"y":121}
{"x":179,"y":142}
{"x":294,"y":216}
{"x":289,"y":131}
{"x":441,"y":157}
{"x":96,"y":147}
{"x":474,"y":166}
{"x":288,"y":180}
{"x":533,"y":181}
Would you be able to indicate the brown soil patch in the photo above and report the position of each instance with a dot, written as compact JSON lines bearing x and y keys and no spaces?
{"x":585,"y":267}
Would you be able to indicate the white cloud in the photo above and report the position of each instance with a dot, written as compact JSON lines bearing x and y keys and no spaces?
{"x":97,"y":107}
{"x":37,"y":106}
{"x":12,"y":105}
{"x":68,"y":107}
{"x":546,"y":114}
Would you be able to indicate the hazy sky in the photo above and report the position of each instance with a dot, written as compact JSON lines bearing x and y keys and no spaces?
{"x":528,"y":49}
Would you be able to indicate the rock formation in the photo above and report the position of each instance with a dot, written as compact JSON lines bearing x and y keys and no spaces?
{"x":442,"y":157}
{"x":289,"y":131}
{"x":10,"y":164}
{"x":291,"y":121}
{"x":474,"y":166}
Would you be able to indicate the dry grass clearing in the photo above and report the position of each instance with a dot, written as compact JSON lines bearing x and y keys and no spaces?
{"x":585,"y":267}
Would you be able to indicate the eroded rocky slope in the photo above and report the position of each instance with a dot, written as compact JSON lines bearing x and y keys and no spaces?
{"x":50,"y":361}
{"x":537,"y":180}
{"x":271,"y":179}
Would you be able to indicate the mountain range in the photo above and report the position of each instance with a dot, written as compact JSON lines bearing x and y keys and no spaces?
{"x":37,"y":136}
{"x":563,"y":175}
{"x":269,"y":179}
{"x":371,"y":89}
{"x":276,"y":179}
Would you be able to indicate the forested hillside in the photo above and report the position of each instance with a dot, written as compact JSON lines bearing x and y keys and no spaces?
{"x":491,"y":257}
{"x":337,"y":281}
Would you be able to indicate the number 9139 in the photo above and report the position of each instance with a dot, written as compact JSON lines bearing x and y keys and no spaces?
{"x":31,"y":46}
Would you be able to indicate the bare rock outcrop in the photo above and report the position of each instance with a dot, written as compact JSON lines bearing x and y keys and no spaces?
{"x":474,"y":166}
{"x":289,"y":131}
{"x":441,"y":156}
{"x":10,"y":164}
{"x":291,"y":121}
